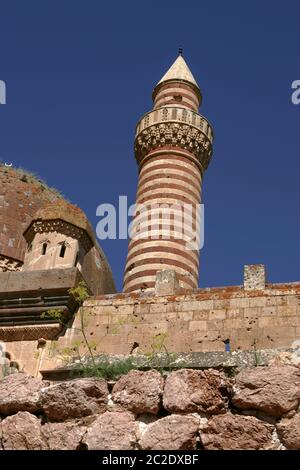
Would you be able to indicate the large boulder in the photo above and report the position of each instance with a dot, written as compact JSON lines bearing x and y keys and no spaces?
{"x":21,"y":431}
{"x":235,"y":432}
{"x":289,"y":432}
{"x":112,"y":431}
{"x":139,"y":392}
{"x":274,"y":390}
{"x":75,"y":399}
{"x":19,"y":392}
{"x":199,"y":391}
{"x":63,"y":436}
{"x":175,"y":432}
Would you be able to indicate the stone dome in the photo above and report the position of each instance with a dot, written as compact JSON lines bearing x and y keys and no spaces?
{"x":24,"y":198}
{"x":21,"y":196}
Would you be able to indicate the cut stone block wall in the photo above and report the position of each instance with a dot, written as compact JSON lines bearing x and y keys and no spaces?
{"x":205,"y":320}
{"x":199,"y":321}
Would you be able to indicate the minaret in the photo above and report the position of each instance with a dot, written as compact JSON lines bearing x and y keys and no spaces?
{"x":173,"y":146}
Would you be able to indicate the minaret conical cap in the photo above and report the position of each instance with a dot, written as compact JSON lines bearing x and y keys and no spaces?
{"x":179,"y":71}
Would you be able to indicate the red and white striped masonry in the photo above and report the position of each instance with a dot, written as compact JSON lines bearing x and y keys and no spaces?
{"x":172,"y":151}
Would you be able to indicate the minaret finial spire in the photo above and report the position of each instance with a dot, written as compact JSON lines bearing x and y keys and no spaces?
{"x":179,"y":70}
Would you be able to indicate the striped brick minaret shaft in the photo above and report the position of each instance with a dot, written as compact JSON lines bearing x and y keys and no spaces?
{"x":173,"y":146}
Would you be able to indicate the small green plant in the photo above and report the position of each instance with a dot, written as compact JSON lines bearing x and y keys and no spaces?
{"x":80,"y":294}
{"x":105,"y":369}
{"x":159,"y":357}
{"x":54,"y":314}
{"x":115,"y":329}
{"x":231,"y":371}
{"x":257,"y":356}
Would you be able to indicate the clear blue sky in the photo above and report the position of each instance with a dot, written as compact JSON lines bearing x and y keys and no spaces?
{"x":79,"y":75}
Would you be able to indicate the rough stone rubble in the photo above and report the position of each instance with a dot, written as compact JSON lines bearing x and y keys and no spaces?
{"x":187,"y":409}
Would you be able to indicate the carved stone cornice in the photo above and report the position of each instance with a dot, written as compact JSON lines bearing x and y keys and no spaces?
{"x":30,"y":332}
{"x":9,"y":264}
{"x":174,"y":126}
{"x":57,"y":225}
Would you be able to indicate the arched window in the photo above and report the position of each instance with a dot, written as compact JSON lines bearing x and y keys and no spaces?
{"x":44,"y":248}
{"x":62,"y":250}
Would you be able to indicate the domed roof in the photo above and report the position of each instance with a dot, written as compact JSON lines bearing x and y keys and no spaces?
{"x":62,"y":210}
{"x":21,"y":196}
{"x":24,"y":198}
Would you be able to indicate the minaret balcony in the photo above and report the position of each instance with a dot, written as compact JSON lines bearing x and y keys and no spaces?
{"x":174,"y":126}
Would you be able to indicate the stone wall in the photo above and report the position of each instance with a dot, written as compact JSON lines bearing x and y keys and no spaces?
{"x":252,"y":317}
{"x":230,"y":318}
{"x":205,"y":320}
{"x":187,"y":409}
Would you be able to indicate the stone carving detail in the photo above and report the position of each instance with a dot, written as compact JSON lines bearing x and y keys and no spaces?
{"x":9,"y":264}
{"x":29,"y":333}
{"x":176,"y":134}
{"x":175,"y":114}
{"x":57,"y":225}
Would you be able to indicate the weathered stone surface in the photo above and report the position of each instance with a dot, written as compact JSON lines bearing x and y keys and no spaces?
{"x":274,"y":390}
{"x":63,"y":436}
{"x":112,"y":431}
{"x":196,"y":391}
{"x":139,"y":392}
{"x":19,"y":392}
{"x":175,"y":432}
{"x":254,"y":276}
{"x":286,"y":357}
{"x":21,"y":196}
{"x":21,"y":431}
{"x":166,"y":282}
{"x":229,"y":431}
{"x":75,"y":399}
{"x":289,"y":432}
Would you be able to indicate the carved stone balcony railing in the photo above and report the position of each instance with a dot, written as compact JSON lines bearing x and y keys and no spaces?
{"x":174,"y":126}
{"x":9,"y":264}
